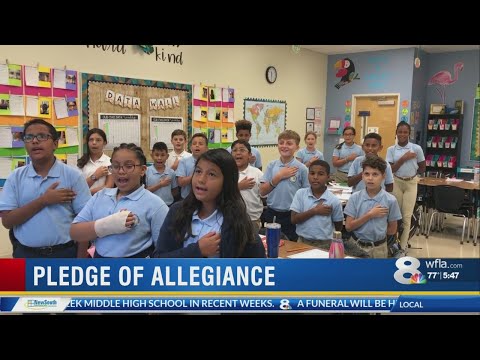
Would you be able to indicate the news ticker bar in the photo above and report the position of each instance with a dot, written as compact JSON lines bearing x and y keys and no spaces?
{"x":406,"y":274}
{"x":418,"y":304}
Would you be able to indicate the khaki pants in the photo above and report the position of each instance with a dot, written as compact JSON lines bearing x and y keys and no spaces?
{"x":375,"y":252}
{"x":341,"y":177}
{"x":406,"y":194}
{"x":320,"y":244}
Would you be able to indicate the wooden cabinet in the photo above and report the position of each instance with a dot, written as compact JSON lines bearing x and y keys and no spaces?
{"x":444,"y":140}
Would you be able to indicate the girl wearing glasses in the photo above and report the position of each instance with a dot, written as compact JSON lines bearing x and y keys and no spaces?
{"x":124,"y":221}
{"x":212,"y":221}
{"x":344,"y":154}
{"x":94,"y":164}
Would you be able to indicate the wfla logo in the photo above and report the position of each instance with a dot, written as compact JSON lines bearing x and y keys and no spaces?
{"x":408,"y":265}
{"x":285,"y":304}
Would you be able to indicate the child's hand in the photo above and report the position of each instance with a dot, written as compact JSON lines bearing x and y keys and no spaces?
{"x":209,"y":244}
{"x":287,"y":172}
{"x":378,"y":211}
{"x":352,"y":157}
{"x":409,"y":155}
{"x":101,"y":172}
{"x":252,"y":159}
{"x":322,"y":209}
{"x":166,"y":181}
{"x":57,"y":196}
{"x":246,"y":183}
{"x":175,"y":163}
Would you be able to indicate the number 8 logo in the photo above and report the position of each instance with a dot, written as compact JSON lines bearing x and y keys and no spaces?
{"x":403,"y":269}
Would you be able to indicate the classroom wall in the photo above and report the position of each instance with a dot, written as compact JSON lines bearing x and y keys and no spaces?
{"x":301,"y":77}
{"x":379,"y":72}
{"x":418,"y":103}
{"x":463,"y":89}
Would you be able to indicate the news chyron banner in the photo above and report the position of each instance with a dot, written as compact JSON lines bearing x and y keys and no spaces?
{"x":240,"y":285}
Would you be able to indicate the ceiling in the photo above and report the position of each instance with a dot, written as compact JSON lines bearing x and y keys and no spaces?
{"x":346,"y":49}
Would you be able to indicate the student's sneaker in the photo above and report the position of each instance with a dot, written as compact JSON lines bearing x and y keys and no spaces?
{"x":400,"y":253}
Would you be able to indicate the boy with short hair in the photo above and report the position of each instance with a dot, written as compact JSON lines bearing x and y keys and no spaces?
{"x":315,"y":209}
{"x":160,"y":179}
{"x":186,"y":165}
{"x":40,"y":200}
{"x":372,"y":213}
{"x":178,"y":139}
{"x":248,"y":181}
{"x":243,"y":129}
{"x":372,"y":144}
{"x":282,"y":180}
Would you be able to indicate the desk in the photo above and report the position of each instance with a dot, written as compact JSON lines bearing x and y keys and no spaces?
{"x":466,"y":185}
{"x":292,"y":247}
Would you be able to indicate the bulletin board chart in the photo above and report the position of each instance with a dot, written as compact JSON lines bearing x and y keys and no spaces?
{"x":135,"y":110}
{"x":213,"y":114}
{"x":28,"y":92}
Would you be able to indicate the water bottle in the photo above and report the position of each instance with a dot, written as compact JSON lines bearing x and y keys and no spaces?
{"x":337,"y":251}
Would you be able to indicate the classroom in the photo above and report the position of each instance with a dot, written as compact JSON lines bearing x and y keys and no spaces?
{"x":321,"y":89}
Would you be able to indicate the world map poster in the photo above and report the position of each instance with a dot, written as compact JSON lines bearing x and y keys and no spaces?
{"x":268,"y":119}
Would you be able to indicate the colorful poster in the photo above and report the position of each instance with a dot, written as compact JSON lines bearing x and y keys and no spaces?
{"x":45,"y":107}
{"x":475,"y":146}
{"x":4,"y":104}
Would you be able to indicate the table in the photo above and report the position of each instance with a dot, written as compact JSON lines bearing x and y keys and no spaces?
{"x":292,"y":247}
{"x":472,"y":187}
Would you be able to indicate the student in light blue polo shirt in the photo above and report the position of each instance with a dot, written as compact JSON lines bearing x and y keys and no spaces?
{"x":186,"y":165}
{"x":40,"y":200}
{"x":344,"y":154}
{"x":213,"y":220}
{"x":123,"y":221}
{"x":243,"y":129}
{"x":372,"y":144}
{"x":315,"y":210}
{"x":309,"y":154}
{"x":160,"y":179}
{"x":407,"y":160}
{"x":372,"y":213}
{"x":281,"y":181}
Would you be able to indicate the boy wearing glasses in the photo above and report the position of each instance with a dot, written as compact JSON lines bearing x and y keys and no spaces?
{"x":248,"y":181}
{"x":40,"y":200}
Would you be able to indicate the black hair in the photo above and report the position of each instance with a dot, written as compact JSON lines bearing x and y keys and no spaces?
{"x":51,"y":128}
{"x":373,"y":136}
{"x":339,"y":146}
{"x":243,"y":125}
{"x":229,"y":202}
{"x":322,"y":163}
{"x":404,"y":123}
{"x":375,"y":162}
{"x":243,"y":142}
{"x":85,"y":157}
{"x":160,"y":146}
{"x":138,"y":153}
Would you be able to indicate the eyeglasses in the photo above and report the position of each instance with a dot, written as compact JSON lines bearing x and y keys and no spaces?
{"x":128,"y":168}
{"x":241,"y":150}
{"x":40,"y":137}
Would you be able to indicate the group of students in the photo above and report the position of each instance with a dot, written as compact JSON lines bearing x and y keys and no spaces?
{"x":127,"y":209}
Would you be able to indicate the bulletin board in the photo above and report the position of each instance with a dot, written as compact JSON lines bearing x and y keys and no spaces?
{"x":475,"y":146}
{"x":28,"y":92}
{"x":213,"y":114}
{"x":147,"y":101}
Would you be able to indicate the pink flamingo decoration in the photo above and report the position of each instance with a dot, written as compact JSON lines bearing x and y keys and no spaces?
{"x":443,"y":78}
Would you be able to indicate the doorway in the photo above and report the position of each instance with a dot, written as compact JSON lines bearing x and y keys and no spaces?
{"x":383,"y":117}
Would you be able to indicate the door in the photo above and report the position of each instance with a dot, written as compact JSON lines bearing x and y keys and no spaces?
{"x":383,"y":118}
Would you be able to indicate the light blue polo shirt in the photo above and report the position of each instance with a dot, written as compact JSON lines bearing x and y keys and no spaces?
{"x":258,"y":157}
{"x":280,"y":198}
{"x":154,"y":177}
{"x":409,"y":168}
{"x":185,"y":168}
{"x":51,"y":225}
{"x":149,"y":208}
{"x":357,"y":168}
{"x":318,"y":227}
{"x":306,"y":155}
{"x":345,"y":151}
{"x":200,"y":227}
{"x":376,"y":228}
